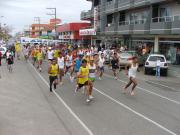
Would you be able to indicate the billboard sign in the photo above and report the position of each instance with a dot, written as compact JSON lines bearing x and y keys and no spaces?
{"x":87,"y":32}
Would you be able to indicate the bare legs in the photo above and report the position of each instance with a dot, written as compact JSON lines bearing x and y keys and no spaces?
{"x":131,"y":80}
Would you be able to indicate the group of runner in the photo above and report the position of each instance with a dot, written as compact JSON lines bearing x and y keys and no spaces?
{"x":83,"y":65}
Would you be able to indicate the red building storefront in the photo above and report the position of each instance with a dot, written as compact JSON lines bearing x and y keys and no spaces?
{"x":69,"y":33}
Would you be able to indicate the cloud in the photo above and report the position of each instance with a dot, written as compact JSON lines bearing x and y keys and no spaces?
{"x":19,"y":13}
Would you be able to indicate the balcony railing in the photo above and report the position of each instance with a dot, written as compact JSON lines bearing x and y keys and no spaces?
{"x":140,"y":21}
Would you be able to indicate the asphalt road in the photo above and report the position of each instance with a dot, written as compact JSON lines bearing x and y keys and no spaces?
{"x":154,"y":110}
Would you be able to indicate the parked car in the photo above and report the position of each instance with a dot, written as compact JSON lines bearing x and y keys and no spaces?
{"x":3,"y":50}
{"x":150,"y":64}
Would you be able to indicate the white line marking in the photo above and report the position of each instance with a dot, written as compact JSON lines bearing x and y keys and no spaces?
{"x":153,"y":93}
{"x":161,"y":85}
{"x":135,"y":112}
{"x":64,"y":103}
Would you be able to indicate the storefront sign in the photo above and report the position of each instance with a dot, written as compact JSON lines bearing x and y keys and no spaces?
{"x":87,"y":32}
{"x":95,"y":17}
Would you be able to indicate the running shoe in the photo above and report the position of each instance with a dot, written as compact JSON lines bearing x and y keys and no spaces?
{"x":132,"y":93}
{"x":88,"y":100}
{"x":76,"y":90}
{"x":100,"y":78}
{"x":91,"y":97}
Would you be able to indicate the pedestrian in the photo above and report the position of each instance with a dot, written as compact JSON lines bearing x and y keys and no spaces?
{"x":0,"y":57}
{"x":39,"y":59}
{"x":61,"y":64}
{"x":92,"y":76}
{"x":133,"y":68}
{"x":101,"y":65}
{"x":115,"y":65}
{"x":53,"y":71}
{"x":158,"y":67}
{"x":50,"y":54}
{"x":10,"y":62}
{"x":83,"y":80}
{"x":69,"y":65}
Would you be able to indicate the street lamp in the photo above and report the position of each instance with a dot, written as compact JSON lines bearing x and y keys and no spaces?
{"x":55,"y":17}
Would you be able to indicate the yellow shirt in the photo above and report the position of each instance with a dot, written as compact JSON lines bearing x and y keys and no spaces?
{"x":17,"y":47}
{"x":56,"y":53}
{"x":84,"y":72}
{"x":54,"y":70}
{"x":40,"y":55}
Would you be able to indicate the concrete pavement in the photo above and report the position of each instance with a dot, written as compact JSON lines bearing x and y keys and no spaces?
{"x":150,"y":112}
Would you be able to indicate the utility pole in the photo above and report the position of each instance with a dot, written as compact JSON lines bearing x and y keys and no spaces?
{"x":38,"y":19}
{"x":55,"y":17}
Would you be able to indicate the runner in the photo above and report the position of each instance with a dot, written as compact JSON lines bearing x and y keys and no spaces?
{"x":10,"y":62}
{"x":50,"y":54}
{"x":39,"y":59}
{"x":92,"y":76}
{"x":115,"y":65}
{"x":77,"y":64}
{"x":26,"y":52}
{"x":61,"y":64}
{"x":83,"y":79}
{"x":69,"y":65}
{"x":101,"y":66}
{"x":33,"y":55}
{"x":53,"y":74}
{"x":133,"y":68}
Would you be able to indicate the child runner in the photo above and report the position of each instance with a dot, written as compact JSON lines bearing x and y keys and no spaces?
{"x":53,"y":74}
{"x":10,"y":62}
{"x":61,"y":64}
{"x":133,"y":68}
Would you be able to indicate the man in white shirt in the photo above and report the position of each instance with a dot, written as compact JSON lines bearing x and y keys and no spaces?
{"x":158,"y":67}
{"x":50,"y":54}
{"x":101,"y":65}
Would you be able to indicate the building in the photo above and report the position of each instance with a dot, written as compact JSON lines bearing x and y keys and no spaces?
{"x":148,"y":23}
{"x":45,"y":31}
{"x":69,"y":33}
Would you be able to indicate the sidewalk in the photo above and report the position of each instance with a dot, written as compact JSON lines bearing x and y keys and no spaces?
{"x":28,"y":108}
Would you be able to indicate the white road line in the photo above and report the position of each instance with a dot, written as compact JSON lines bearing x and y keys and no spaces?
{"x":153,"y":93}
{"x":64,"y":103}
{"x":161,"y":85}
{"x":135,"y":112}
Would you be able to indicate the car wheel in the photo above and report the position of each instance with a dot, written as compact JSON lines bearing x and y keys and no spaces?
{"x":165,"y":72}
{"x":145,"y":71}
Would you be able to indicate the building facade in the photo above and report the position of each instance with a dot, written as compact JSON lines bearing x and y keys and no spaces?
{"x":153,"y":23}
{"x":69,"y":33}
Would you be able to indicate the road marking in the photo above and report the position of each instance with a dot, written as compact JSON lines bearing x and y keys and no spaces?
{"x":153,"y":93}
{"x":135,"y":112}
{"x":64,"y":103}
{"x":161,"y":85}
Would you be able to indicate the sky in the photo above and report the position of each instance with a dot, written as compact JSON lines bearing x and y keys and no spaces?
{"x":20,"y":13}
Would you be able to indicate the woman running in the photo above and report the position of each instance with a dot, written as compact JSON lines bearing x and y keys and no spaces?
{"x":53,"y":74}
{"x":101,"y":65}
{"x":133,"y":68}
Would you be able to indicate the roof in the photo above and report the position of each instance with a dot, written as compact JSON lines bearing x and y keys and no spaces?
{"x":74,"y":26}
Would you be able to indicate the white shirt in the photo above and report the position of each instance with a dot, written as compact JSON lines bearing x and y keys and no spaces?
{"x":61,"y":62}
{"x":132,"y":71}
{"x":101,"y":62}
{"x":69,"y":60}
{"x":92,"y":71}
{"x":50,"y":54}
{"x":158,"y":63}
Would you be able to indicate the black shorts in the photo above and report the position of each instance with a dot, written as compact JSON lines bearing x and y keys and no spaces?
{"x":53,"y":78}
{"x":115,"y":67}
{"x":85,"y":84}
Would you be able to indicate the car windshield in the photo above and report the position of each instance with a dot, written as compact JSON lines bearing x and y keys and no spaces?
{"x":155,"y":58}
{"x":1,"y":49}
{"x":125,"y":55}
